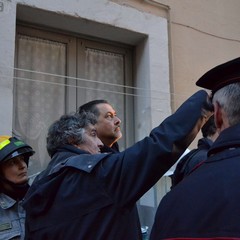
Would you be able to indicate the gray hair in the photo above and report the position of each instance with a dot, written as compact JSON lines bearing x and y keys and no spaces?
{"x":68,"y":130}
{"x":228,"y":98}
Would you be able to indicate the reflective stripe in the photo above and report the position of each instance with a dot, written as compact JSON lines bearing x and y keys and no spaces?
{"x":5,"y":226}
{"x":19,"y":143}
{"x":4,"y":143}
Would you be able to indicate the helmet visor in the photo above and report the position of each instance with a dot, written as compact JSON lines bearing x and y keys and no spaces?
{"x":26,"y":152}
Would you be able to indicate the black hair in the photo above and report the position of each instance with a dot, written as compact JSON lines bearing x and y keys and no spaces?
{"x":92,"y":107}
{"x":209,"y":128}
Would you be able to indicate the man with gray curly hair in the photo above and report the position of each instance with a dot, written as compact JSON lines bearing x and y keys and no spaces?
{"x":74,"y":130}
{"x":88,"y":196}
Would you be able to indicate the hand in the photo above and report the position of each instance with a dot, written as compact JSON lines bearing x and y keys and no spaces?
{"x":208,"y":109}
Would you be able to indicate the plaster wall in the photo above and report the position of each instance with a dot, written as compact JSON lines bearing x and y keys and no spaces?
{"x":7,"y":45}
{"x":203,"y":34}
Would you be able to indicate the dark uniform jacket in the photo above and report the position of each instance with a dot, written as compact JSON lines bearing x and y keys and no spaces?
{"x":205,"y":204}
{"x":190,"y":161}
{"x":92,"y":197}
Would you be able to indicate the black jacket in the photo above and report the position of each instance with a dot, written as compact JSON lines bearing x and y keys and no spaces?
{"x":191,"y":160}
{"x":92,"y":197}
{"x":113,"y":149}
{"x":206,"y":203}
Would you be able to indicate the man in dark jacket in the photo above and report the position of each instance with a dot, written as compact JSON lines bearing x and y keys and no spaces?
{"x":195,"y":157}
{"x":87,"y":196}
{"x":205,"y":205}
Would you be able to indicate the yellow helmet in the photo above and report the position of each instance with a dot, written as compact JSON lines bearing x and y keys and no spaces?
{"x":11,"y":147}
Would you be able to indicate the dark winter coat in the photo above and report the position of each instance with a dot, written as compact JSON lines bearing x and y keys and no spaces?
{"x":92,"y":197}
{"x":206,"y":203}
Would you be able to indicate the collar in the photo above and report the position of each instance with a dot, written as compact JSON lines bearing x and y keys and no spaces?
{"x":84,"y":162}
{"x":228,"y":138}
{"x":204,"y":143}
{"x":6,"y":202}
{"x":71,"y":148}
{"x":70,"y":156}
{"x":113,"y":149}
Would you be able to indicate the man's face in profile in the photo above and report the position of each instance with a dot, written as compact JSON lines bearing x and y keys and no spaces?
{"x":108,"y":124}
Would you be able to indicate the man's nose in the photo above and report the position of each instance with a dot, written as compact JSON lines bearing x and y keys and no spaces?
{"x":117,"y":120}
{"x":100,"y":143}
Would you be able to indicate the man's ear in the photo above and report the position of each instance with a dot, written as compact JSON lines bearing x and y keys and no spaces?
{"x":218,"y":115}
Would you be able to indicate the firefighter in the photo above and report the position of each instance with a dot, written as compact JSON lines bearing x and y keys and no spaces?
{"x":14,"y":157}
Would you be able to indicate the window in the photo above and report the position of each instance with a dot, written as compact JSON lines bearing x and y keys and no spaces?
{"x":56,"y":73}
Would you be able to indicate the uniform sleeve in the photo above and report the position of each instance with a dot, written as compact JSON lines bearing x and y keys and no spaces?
{"x":131,"y":173}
